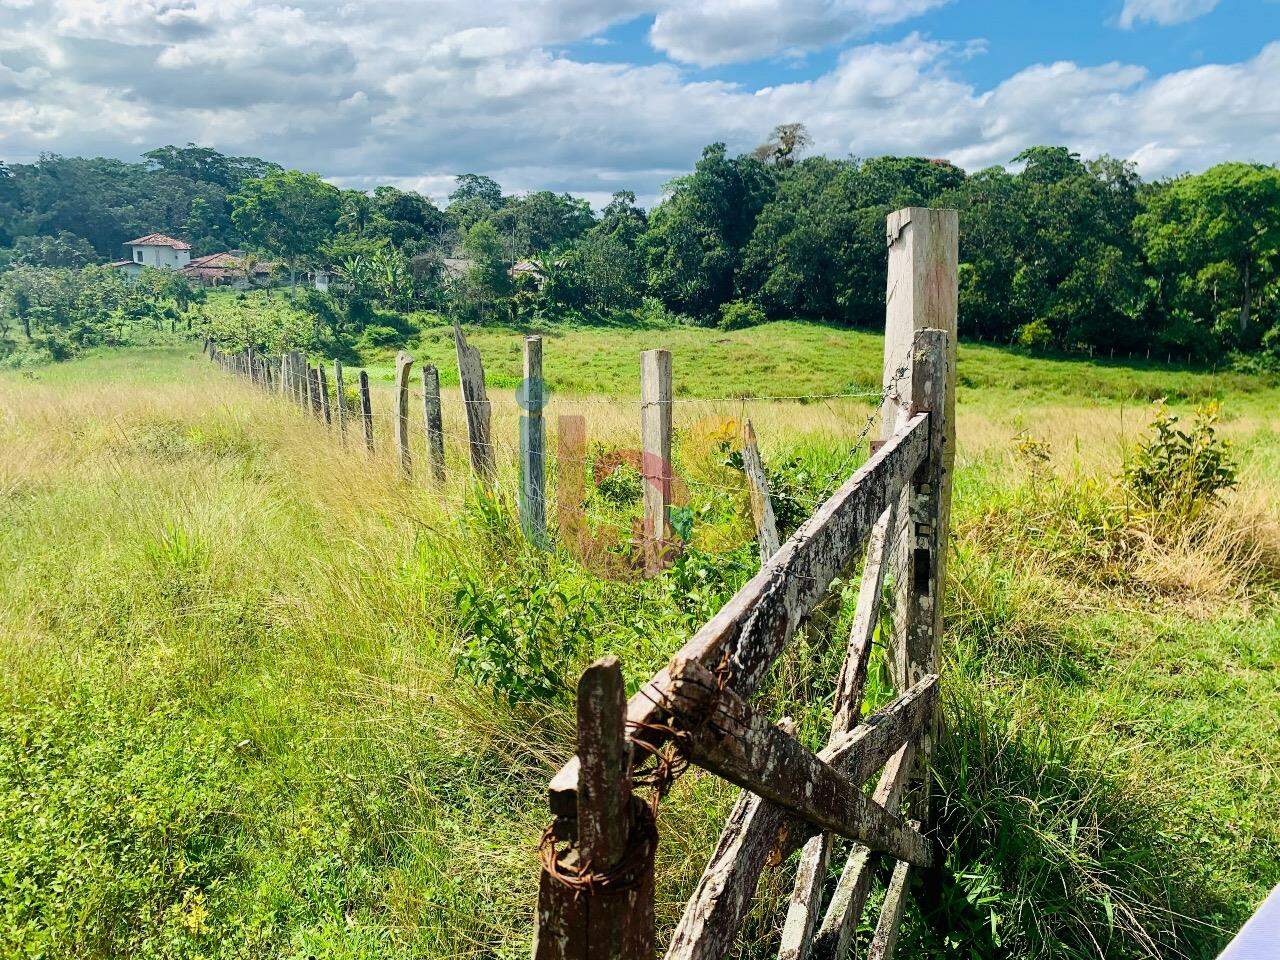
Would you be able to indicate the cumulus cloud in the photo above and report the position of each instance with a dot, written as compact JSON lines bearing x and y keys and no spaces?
{"x":709,"y":32}
{"x":1164,"y":12}
{"x":406,"y":92}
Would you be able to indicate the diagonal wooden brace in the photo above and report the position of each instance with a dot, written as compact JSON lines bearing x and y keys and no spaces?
{"x":720,"y":731}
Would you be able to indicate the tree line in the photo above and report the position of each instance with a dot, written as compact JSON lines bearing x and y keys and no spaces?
{"x":1057,"y":252}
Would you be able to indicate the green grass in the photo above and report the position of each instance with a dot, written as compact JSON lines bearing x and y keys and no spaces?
{"x":230,"y":723}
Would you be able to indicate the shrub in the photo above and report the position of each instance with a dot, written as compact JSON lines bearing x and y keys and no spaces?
{"x":1176,"y":474}
{"x":520,"y":632}
{"x":1035,"y":335}
{"x":377,"y":336}
{"x":737,"y":314}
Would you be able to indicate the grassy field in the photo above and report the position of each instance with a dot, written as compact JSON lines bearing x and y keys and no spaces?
{"x":253,"y":702}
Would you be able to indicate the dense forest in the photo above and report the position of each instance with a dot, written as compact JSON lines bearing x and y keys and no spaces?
{"x":1057,"y":252}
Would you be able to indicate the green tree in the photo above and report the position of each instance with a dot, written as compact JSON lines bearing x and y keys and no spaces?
{"x":289,"y":214}
{"x":1213,"y":243}
{"x":695,"y":237}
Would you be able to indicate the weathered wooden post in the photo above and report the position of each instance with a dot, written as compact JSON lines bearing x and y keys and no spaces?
{"x":366,"y":411}
{"x":595,"y":896}
{"x":476,"y":402}
{"x":655,"y":442}
{"x":533,"y":478}
{"x":340,"y":397}
{"x":403,"y":363}
{"x":758,"y":489}
{"x":922,"y":294}
{"x":323,"y":383}
{"x":313,"y":389}
{"x":433,"y":419}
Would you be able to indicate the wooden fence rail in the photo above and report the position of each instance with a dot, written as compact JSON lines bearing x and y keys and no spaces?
{"x":597,"y":887}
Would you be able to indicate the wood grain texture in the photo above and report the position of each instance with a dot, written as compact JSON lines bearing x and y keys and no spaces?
{"x":834,"y":935}
{"x":476,"y":401}
{"x":400,"y":422}
{"x":885,"y":937}
{"x":655,"y":444}
{"x":340,"y":400}
{"x":753,"y":836}
{"x":722,"y":733}
{"x":366,"y":412}
{"x":604,"y":787}
{"x":433,"y":419}
{"x":758,"y":488}
{"x":755,"y":625}
{"x":323,"y":386}
{"x":533,"y":442}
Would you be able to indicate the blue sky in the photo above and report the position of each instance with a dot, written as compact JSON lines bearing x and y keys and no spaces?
{"x":597,"y":95}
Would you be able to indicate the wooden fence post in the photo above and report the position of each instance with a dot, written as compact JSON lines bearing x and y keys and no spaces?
{"x":322,"y":381}
{"x":433,"y":419}
{"x":655,"y":442}
{"x":922,"y":293}
{"x":533,"y":469}
{"x":313,"y":389}
{"x":285,"y":384}
{"x":300,"y":380}
{"x":595,"y":896}
{"x":476,"y":402}
{"x":403,"y":363}
{"x":340,"y":397}
{"x":758,"y":488}
{"x":366,"y":411}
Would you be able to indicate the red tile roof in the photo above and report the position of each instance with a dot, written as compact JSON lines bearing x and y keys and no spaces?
{"x":159,"y":240}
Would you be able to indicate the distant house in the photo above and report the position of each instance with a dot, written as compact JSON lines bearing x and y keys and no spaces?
{"x":155,"y":250}
{"x":227,"y":269}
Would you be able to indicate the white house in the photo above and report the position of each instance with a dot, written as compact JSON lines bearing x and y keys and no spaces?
{"x":155,"y":250}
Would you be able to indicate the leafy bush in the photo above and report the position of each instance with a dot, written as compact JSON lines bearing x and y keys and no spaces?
{"x":377,"y":336}
{"x":738,"y":314}
{"x":520,"y":632}
{"x":1035,"y":335}
{"x":1176,"y":473}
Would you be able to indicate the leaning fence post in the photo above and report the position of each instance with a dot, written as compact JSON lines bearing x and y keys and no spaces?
{"x":366,"y":411}
{"x":758,"y":489}
{"x":595,"y":895}
{"x":433,"y":419}
{"x":322,"y":382}
{"x":340,"y":396}
{"x":533,"y":503}
{"x":655,"y":441}
{"x":476,"y":402}
{"x":403,"y":363}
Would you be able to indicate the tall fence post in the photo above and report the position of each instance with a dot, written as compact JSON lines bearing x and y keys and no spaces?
{"x":340,"y":398}
{"x":433,"y":419}
{"x":403,"y":364}
{"x":285,"y":384}
{"x":476,"y":402}
{"x":595,"y":895}
{"x":920,"y":364}
{"x":323,"y":384}
{"x":655,"y":442}
{"x":366,"y":411}
{"x":533,"y":480}
{"x":922,"y":294}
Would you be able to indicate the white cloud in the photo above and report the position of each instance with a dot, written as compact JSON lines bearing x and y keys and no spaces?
{"x":391,"y":91}
{"x":708,"y":32}
{"x":1164,"y":12}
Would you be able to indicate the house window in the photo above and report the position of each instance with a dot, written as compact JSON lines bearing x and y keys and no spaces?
{"x":137,"y":256}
